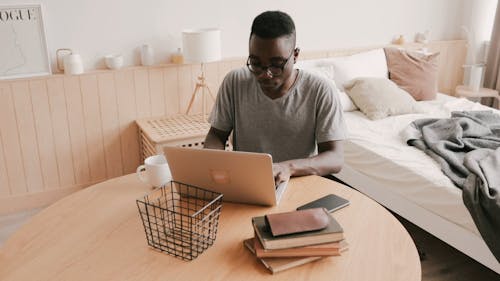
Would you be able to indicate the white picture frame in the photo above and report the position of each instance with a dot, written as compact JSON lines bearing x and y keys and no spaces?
{"x":23,"y":48}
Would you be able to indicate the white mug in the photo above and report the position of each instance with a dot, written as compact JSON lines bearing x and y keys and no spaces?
{"x":155,"y":171}
{"x":113,"y":61}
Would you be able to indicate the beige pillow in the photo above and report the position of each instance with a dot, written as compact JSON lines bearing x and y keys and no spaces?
{"x":414,"y":72}
{"x":380,"y":97}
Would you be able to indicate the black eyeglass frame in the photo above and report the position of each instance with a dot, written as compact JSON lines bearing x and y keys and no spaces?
{"x":279,"y":68}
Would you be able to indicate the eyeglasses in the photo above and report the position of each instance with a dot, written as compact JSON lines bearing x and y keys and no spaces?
{"x":274,"y":70}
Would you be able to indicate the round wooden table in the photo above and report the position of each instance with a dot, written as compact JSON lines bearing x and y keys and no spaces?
{"x":97,"y":234}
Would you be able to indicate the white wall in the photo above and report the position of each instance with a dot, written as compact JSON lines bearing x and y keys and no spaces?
{"x":95,"y":28}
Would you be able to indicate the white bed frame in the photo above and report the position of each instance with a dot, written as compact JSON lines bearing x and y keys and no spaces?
{"x":458,"y":237}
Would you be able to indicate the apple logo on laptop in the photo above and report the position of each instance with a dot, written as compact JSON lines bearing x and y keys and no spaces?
{"x":220,"y":176}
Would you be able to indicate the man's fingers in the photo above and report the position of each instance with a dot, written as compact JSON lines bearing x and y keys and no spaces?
{"x":277,"y":178}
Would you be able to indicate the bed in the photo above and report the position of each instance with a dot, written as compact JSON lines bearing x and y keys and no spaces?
{"x":408,"y":182}
{"x":402,"y":178}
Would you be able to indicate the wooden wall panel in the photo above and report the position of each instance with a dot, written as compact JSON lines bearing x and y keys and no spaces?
{"x":454,"y":69}
{"x":125,"y":95}
{"x":61,"y":133}
{"x":93,"y":127}
{"x":142,"y":96}
{"x":185,"y":87}
{"x":77,"y":131}
{"x":314,"y":55}
{"x":4,"y":178}
{"x":27,"y":135}
{"x":442,"y":75}
{"x":171,"y":86}
{"x":223,"y":68}
{"x":110,"y":125}
{"x":45,"y":134}
{"x":158,"y":106}
{"x":10,"y":139}
{"x":212,"y":80}
{"x":238,"y":63}
{"x":62,"y":141}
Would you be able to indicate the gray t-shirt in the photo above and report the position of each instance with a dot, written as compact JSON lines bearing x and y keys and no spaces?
{"x":288,"y":127}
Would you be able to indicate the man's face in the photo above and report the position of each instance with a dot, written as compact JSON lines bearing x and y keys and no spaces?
{"x":272,"y":53}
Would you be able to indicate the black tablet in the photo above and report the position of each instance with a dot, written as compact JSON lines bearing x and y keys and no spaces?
{"x":330,"y":202}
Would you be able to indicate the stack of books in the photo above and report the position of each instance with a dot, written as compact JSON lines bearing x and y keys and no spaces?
{"x":285,"y":251}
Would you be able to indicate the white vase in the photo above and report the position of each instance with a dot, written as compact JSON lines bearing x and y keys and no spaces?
{"x":147,"y":55}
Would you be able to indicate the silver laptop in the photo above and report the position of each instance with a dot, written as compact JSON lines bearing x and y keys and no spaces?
{"x":243,"y":177}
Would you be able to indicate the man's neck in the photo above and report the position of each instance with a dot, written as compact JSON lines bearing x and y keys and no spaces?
{"x":283,"y":90}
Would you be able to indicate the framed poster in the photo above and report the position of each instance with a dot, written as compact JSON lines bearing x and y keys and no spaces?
{"x":23,"y":48}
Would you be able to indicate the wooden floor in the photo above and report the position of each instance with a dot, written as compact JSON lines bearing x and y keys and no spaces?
{"x":440,"y":262}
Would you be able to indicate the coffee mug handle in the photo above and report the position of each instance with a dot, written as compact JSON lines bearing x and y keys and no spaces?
{"x":139,"y":171}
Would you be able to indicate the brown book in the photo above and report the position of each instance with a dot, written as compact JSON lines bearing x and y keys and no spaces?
{"x":327,"y":249}
{"x":331,"y":233}
{"x":279,"y":264}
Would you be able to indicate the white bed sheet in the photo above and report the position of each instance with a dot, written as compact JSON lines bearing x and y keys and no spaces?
{"x":377,"y":150}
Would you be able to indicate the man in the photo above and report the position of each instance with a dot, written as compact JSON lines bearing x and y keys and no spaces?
{"x":270,"y":107}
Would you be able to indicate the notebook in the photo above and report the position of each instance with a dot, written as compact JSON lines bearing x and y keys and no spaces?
{"x":243,"y":177}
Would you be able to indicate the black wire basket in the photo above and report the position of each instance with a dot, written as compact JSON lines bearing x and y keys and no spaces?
{"x":180,"y":219}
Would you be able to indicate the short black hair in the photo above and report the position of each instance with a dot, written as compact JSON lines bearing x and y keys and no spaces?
{"x":273,"y":24}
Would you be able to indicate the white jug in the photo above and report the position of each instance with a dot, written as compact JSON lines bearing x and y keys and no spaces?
{"x":147,"y":55}
{"x":73,"y":64}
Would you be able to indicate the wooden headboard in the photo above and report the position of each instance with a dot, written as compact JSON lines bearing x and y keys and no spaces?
{"x":450,"y":60}
{"x":61,"y":133}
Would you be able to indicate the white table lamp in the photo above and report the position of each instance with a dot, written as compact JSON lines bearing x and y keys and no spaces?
{"x":201,"y":46}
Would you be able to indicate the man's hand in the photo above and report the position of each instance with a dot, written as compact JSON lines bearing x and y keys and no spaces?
{"x":328,"y":161}
{"x":281,"y":172}
{"x":216,"y":139}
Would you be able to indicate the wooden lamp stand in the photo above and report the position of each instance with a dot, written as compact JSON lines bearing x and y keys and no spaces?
{"x":200,"y":84}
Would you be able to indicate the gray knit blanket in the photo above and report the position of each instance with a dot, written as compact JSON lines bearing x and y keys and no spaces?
{"x":467,"y":147}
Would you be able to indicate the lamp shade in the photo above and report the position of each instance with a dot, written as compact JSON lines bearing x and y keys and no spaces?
{"x":201,"y":45}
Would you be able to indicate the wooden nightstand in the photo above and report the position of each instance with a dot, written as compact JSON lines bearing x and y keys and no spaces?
{"x":465,"y":92}
{"x":180,"y":130}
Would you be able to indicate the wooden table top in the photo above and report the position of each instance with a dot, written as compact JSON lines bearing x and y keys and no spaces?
{"x":97,"y":234}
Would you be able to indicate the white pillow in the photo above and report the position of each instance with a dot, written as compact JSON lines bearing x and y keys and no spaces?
{"x":326,"y":71}
{"x":378,"y":98}
{"x":346,"y":102}
{"x":366,"y":64}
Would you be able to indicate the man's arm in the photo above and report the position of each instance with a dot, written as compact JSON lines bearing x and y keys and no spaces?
{"x":216,"y":139}
{"x":329,"y":160}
